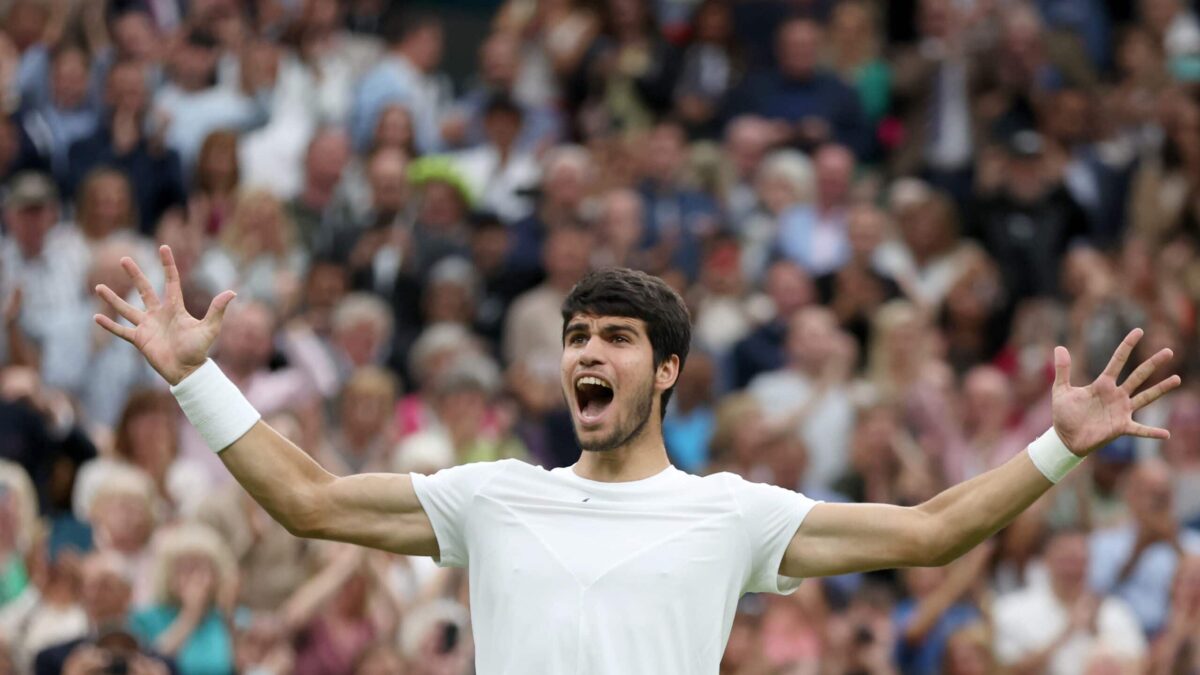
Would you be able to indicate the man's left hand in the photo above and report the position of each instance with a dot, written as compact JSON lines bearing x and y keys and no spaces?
{"x":1089,"y":417}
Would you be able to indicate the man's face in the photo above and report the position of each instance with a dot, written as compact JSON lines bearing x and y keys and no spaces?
{"x":70,"y":79}
{"x":609,"y":379}
{"x":127,"y":89}
{"x":799,"y":49}
{"x":1067,"y":558}
{"x":811,"y":335}
{"x":104,"y":592}
{"x":29,"y":224}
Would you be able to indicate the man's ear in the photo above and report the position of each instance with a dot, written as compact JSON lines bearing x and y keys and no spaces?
{"x":667,"y":373}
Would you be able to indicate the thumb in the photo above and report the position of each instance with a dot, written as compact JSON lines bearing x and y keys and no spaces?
{"x":216,"y":310}
{"x":1062,"y":368}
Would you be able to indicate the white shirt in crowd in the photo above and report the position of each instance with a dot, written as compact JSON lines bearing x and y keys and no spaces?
{"x":570,"y":575}
{"x":1029,"y":620}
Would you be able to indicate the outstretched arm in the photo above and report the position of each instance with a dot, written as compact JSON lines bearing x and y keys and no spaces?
{"x":842,"y":538}
{"x":376,"y":510}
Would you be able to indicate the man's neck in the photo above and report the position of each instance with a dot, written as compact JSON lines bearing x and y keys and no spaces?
{"x":639,"y":459}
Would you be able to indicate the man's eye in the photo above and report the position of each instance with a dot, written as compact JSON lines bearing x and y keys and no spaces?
{"x":620,"y":338}
{"x":577,"y":339}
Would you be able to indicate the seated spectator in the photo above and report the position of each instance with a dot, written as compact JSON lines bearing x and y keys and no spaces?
{"x":45,"y":259}
{"x":215,"y":181}
{"x":497,"y":169}
{"x":194,"y":105}
{"x":405,"y":74}
{"x":1177,"y":648}
{"x":789,"y":289}
{"x":105,"y":593}
{"x":534,"y":324}
{"x":938,"y":605}
{"x":68,"y":115}
{"x":273,"y":563}
{"x":100,"y":372}
{"x":462,"y":403}
{"x":1072,"y":619}
{"x":1028,"y":220}
{"x":363,"y":433}
{"x":818,"y":240}
{"x":260,"y":255}
{"x":679,"y":218}
{"x":122,"y":511}
{"x":340,"y":612}
{"x":41,"y":435}
{"x":813,"y":104}
{"x":195,"y":584}
{"x":811,"y":389}
{"x":244,"y":353}
{"x":689,"y":422}
{"x":784,"y":188}
{"x":105,"y":211}
{"x":121,"y":140}
{"x":857,"y":289}
{"x":327,"y":155}
{"x":146,"y":436}
{"x":1136,"y":562}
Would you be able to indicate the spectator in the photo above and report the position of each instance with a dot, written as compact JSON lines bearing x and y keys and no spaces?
{"x":216,"y":181}
{"x":260,"y":254}
{"x":625,"y":76}
{"x":364,"y":437}
{"x":679,"y":218}
{"x":67,"y":115}
{"x":327,"y":155}
{"x":857,"y":289}
{"x":785,"y":190}
{"x":1136,"y":562}
{"x":534,"y":322}
{"x":811,"y":389}
{"x":121,"y":510}
{"x":819,"y":242}
{"x":1029,"y":221}
{"x":105,"y":591}
{"x":497,"y":169}
{"x":814,"y":104}
{"x":854,"y":38}
{"x":1073,"y":621}
{"x":195,"y":106}
{"x":1177,"y":647}
{"x":500,"y":76}
{"x":41,"y":257}
{"x":621,"y":231}
{"x":195,"y":581}
{"x":121,"y":139}
{"x":711,"y":65}
{"x":937,"y":607}
{"x":407,"y":74}
{"x":789,"y":288}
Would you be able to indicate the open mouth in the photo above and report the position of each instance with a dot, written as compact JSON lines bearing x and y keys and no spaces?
{"x":593,"y":396}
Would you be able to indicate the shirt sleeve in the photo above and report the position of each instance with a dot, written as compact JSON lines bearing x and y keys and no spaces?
{"x":447,"y":497}
{"x":771,"y":515}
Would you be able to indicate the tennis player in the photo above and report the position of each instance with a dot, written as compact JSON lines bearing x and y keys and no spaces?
{"x":620,"y":564}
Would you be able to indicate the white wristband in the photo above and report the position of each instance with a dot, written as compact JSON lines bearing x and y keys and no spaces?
{"x":214,"y":406}
{"x":1051,"y":456}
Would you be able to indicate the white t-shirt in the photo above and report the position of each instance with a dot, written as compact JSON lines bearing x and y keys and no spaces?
{"x":574,"y":576}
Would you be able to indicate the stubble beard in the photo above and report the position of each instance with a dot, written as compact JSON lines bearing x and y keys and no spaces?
{"x":643,"y":407}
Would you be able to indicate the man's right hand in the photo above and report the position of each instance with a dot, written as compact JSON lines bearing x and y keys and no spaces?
{"x":173,"y":341}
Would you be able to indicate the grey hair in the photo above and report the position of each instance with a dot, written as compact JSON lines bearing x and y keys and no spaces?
{"x":794,"y":167}
{"x":361,"y":306}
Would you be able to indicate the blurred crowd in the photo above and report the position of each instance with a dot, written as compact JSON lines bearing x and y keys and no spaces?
{"x":882,"y":214}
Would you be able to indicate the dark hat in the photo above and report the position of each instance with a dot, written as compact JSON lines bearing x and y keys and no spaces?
{"x":30,"y":188}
